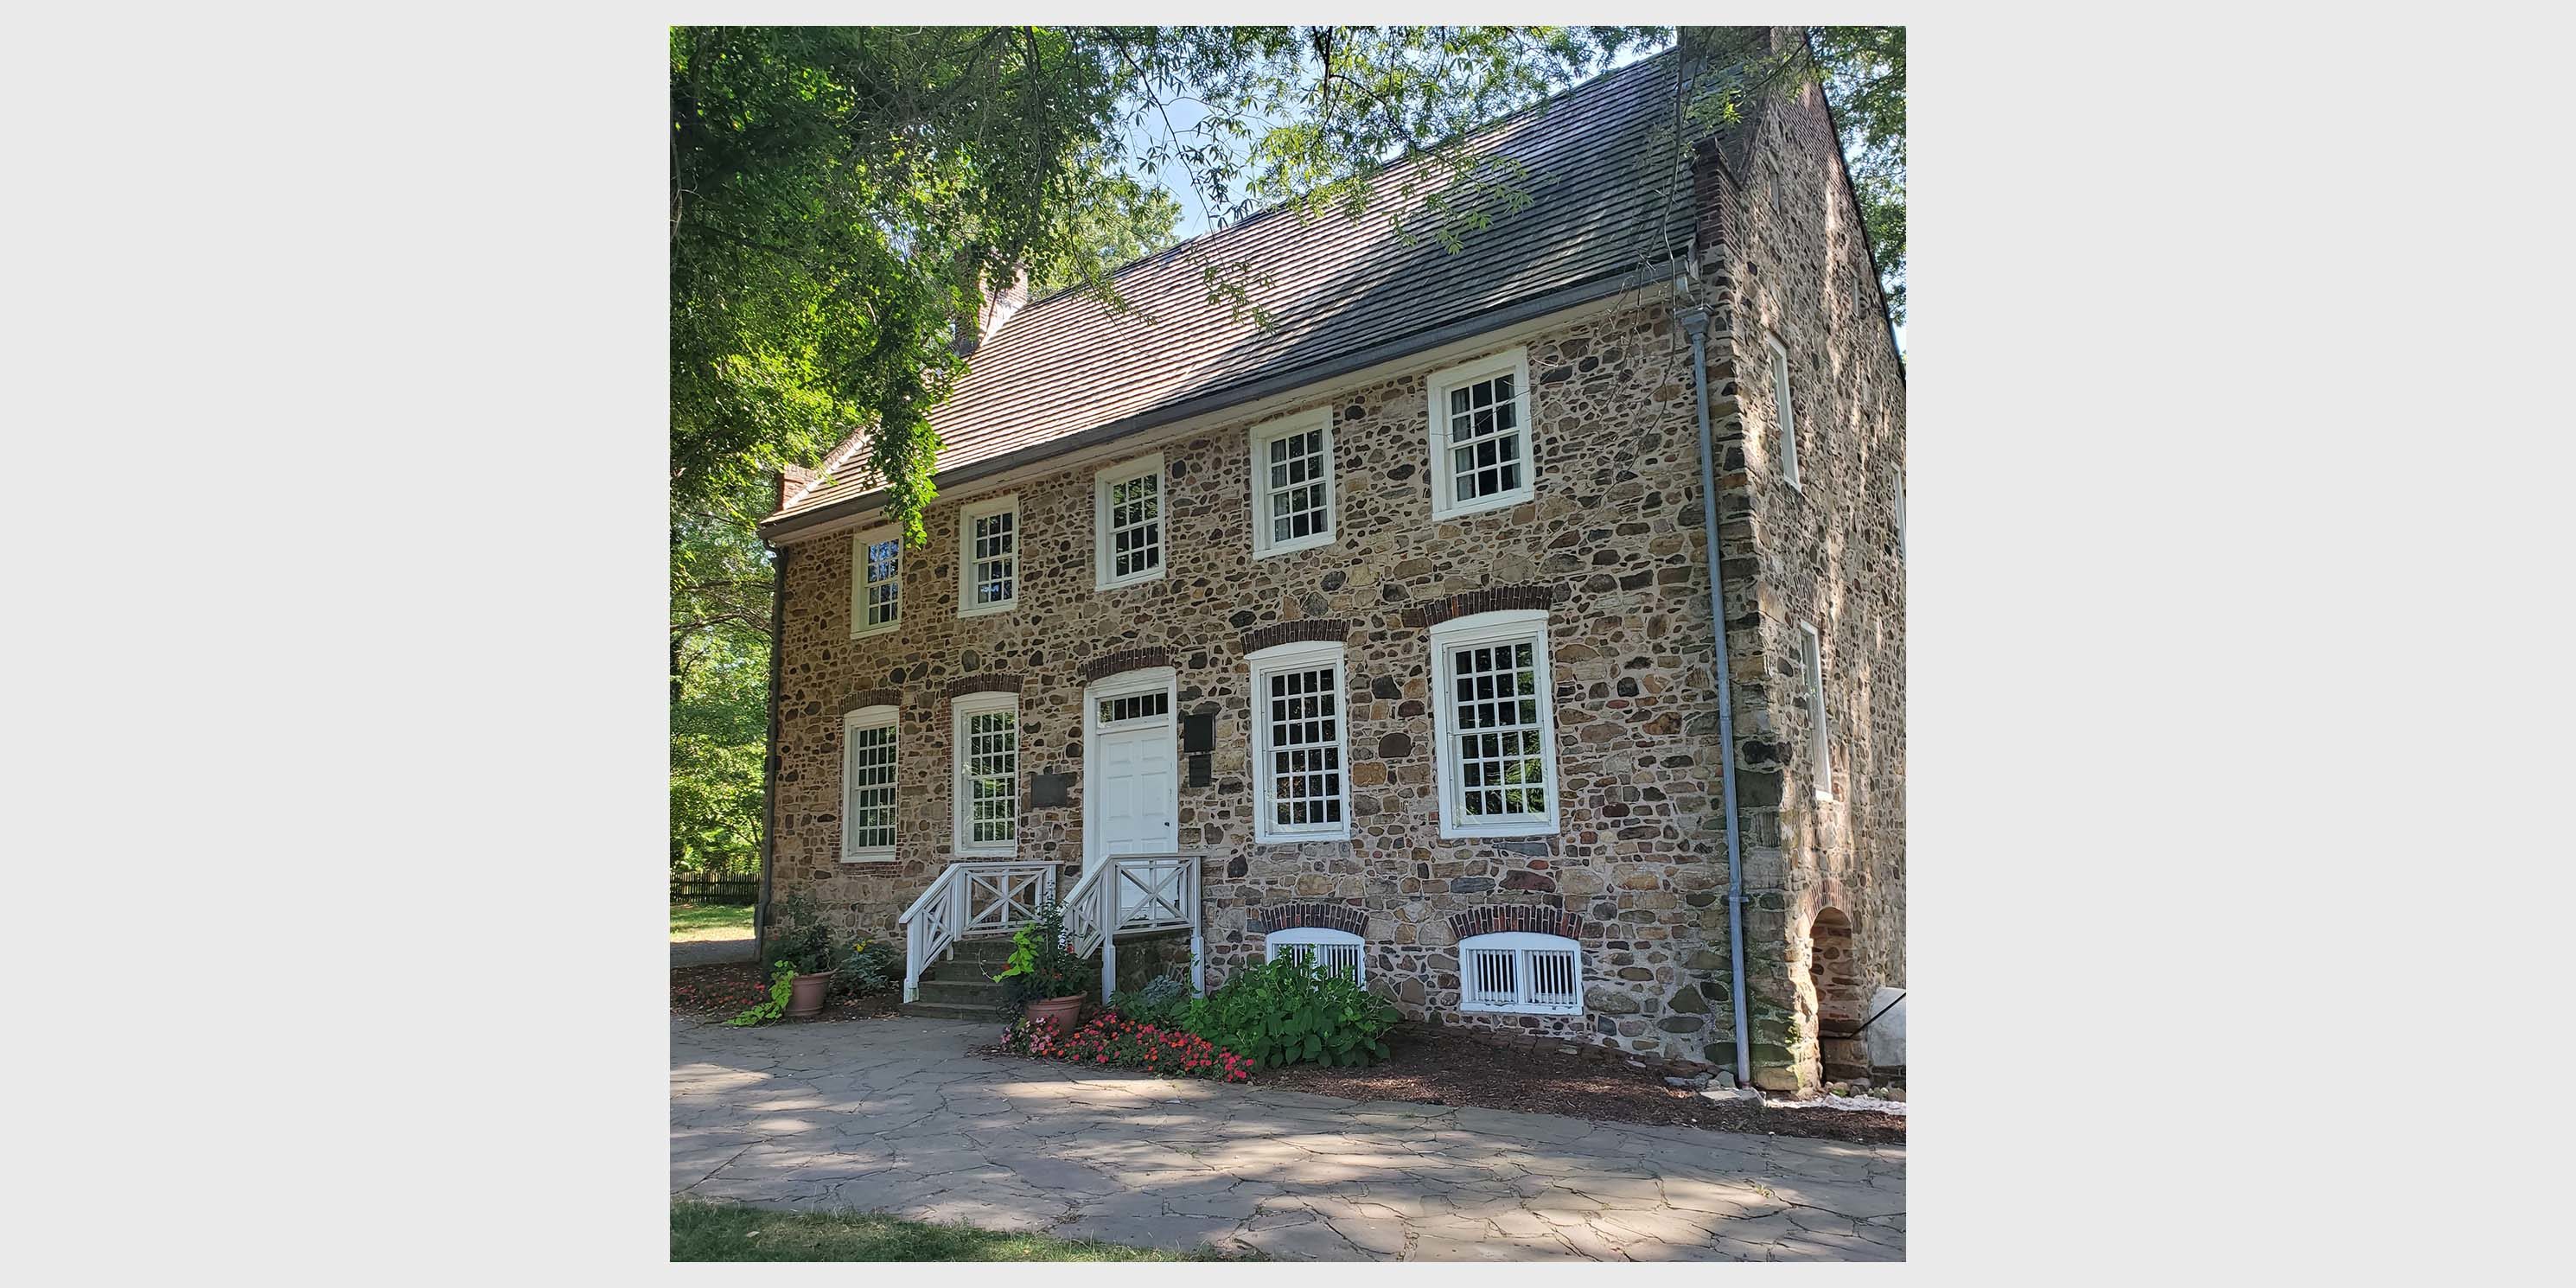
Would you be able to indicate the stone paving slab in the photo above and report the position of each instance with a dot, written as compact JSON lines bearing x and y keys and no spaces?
{"x":893,"y":1115}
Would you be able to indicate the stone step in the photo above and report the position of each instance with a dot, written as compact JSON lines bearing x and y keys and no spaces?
{"x":951,"y":1011}
{"x":959,"y":992}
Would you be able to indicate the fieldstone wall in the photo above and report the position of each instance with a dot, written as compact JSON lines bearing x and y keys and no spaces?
{"x":1610,"y":544}
{"x":1797,"y":268}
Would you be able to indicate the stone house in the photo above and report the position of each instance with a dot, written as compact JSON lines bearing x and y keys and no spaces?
{"x":1385,"y":631}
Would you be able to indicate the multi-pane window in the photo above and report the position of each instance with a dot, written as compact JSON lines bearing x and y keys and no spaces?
{"x":867,"y":784}
{"x":876,"y":582}
{"x":1135,"y":706}
{"x":1520,"y":971}
{"x":1480,"y":443}
{"x":988,"y":537}
{"x":1783,"y":416}
{"x":1129,"y":521}
{"x":988,"y":773}
{"x":1325,"y":950}
{"x":1292,"y":482}
{"x":1496,"y":724}
{"x":1300,"y":791}
{"x":1820,"y":756}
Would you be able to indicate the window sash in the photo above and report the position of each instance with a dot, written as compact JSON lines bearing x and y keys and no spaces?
{"x":1498,"y":755}
{"x":1820,"y":761}
{"x":1292,"y":483}
{"x":987,"y":778}
{"x":881,"y":599}
{"x":1300,"y":743}
{"x":1129,"y":512}
{"x":1487,"y":437}
{"x":990,"y":569}
{"x":868,"y":787}
{"x":1481,"y":447}
{"x":1784,"y":412}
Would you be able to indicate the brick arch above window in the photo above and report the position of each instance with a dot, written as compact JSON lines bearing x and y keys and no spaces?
{"x":1322,"y":631}
{"x":1125,"y":659}
{"x":1309,"y":916}
{"x":1536,"y":919}
{"x":871,"y":698}
{"x":1490,"y":599}
{"x":998,"y":682}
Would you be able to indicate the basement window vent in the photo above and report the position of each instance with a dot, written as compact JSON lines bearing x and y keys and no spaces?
{"x":1521,"y":973}
{"x":1326,"y":950}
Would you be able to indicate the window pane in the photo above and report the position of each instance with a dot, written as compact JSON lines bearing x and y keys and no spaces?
{"x":1494,"y":721}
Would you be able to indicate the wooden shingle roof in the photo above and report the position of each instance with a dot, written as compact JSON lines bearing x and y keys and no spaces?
{"x":1608,"y":195}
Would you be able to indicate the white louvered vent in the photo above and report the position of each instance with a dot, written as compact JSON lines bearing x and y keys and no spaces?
{"x":1332,"y":950}
{"x":1521,"y":972}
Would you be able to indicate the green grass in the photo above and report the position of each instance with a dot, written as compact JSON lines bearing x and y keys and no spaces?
{"x":709,"y":1232}
{"x":694,"y":920}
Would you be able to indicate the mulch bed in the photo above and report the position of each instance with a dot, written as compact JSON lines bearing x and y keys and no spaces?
{"x":1437,"y":1067}
{"x":723,"y":991}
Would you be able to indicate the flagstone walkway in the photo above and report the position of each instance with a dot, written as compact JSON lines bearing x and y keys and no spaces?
{"x":892,"y":1115}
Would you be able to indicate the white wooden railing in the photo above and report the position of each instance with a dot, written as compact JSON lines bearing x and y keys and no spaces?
{"x":970,"y":901}
{"x":1132,"y":894}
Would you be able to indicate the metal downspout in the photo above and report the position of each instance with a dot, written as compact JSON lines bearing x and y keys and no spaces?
{"x":1695,"y":323}
{"x":769,"y":760}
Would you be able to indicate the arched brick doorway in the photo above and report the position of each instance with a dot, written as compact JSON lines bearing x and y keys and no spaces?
{"x":1833,"y":970}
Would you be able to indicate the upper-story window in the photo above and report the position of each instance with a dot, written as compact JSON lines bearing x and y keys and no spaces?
{"x":1480,"y":435}
{"x":1784,"y":418}
{"x":876,"y":581}
{"x":1292,"y":482}
{"x":1128,"y":521}
{"x":986,"y":732}
{"x":988,"y":556}
{"x":867,"y":784}
{"x":1496,"y":719}
{"x":1820,"y":756}
{"x":1298,"y":744}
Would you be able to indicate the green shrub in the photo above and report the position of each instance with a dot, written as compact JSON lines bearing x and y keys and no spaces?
{"x":1287,"y":1012}
{"x":871,"y":966}
{"x":1161,"y":1003}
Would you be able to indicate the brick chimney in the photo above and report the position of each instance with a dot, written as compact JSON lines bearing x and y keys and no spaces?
{"x":791,"y":478}
{"x":997,"y":309}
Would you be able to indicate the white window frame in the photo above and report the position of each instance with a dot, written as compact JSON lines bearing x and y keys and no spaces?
{"x":1444,"y":501}
{"x":960,"y":791}
{"x":1900,"y":514}
{"x":1263,"y":521}
{"x":1784,"y":411}
{"x":1521,"y":944}
{"x":1504,"y":626}
{"x":1811,"y":665}
{"x":966,"y":517}
{"x":860,"y":584}
{"x":880,"y":717}
{"x":1321,"y":941}
{"x":1303,"y":656}
{"x":1103,"y":558}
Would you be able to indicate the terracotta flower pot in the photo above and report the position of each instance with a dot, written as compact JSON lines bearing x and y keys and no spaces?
{"x":805,"y":994}
{"x":1060,"y":1012}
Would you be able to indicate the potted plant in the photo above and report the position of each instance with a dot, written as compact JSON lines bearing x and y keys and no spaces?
{"x":1043,"y":977}
{"x":810,"y":953}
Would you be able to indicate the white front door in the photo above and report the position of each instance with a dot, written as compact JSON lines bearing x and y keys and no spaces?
{"x":1133,"y":797}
